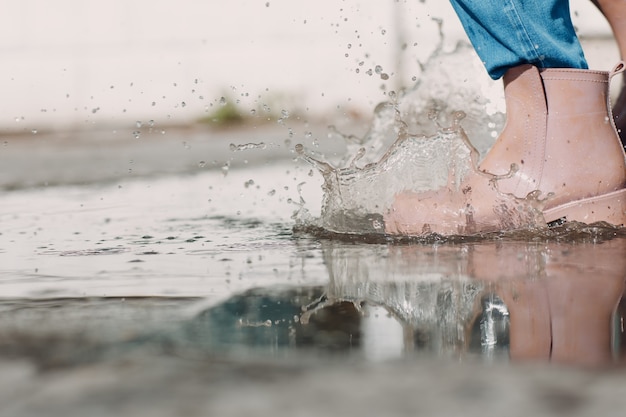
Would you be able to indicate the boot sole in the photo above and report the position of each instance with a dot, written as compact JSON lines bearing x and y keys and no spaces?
{"x":610,"y":208}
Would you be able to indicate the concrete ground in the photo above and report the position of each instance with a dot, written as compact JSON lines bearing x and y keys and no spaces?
{"x":156,"y":385}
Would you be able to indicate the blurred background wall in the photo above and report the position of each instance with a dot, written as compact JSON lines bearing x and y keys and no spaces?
{"x":79,"y":63}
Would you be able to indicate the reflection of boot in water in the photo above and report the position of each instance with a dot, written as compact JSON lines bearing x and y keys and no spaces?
{"x":584,"y":291}
{"x":559,"y":296}
{"x":490,"y":333}
{"x":524,"y":335}
{"x":515,"y":273}
{"x":556,"y":142}
{"x":566,"y":314}
{"x":615,"y":13}
{"x":619,"y":330}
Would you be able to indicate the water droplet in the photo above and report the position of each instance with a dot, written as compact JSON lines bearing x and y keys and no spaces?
{"x":384,"y":76}
{"x":222,"y":101}
{"x":136,"y":134}
{"x":248,"y":183}
{"x":247,"y":146}
{"x":34,"y":131}
{"x":138,"y":124}
{"x":225,"y":168}
{"x":271,"y":192}
{"x":285,"y":113}
{"x":202,"y":164}
{"x":378,"y":69}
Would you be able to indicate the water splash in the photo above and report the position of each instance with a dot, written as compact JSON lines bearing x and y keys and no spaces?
{"x":356,"y":196}
{"x":419,"y":142}
{"x":247,"y":146}
{"x":494,"y":323}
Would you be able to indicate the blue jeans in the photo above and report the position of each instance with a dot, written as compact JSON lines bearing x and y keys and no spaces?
{"x":508,"y":33}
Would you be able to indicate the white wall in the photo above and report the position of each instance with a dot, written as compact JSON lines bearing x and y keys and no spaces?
{"x":84,"y":62}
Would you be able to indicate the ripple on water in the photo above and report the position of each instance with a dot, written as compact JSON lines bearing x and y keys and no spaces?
{"x":571,"y":232}
{"x":88,"y":252}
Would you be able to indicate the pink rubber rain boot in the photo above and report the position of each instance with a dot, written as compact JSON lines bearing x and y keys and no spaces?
{"x":558,"y":158}
{"x":615,"y":13}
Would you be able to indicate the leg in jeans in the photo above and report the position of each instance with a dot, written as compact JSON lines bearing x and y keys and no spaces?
{"x":508,"y":33}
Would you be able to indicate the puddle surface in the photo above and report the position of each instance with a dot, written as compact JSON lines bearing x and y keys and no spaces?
{"x":88,"y":273}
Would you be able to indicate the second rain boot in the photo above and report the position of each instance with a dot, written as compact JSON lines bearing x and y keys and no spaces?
{"x":558,"y":158}
{"x":615,"y":13}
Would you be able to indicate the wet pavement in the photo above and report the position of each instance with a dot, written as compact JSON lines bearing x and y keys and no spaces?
{"x":163,"y":385}
{"x":161,"y":275}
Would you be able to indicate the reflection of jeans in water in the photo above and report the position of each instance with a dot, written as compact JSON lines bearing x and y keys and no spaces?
{"x":507,"y":33}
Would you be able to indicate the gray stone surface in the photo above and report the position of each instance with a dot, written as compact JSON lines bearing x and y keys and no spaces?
{"x":156,"y":385}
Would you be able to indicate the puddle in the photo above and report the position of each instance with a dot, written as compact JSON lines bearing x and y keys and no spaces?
{"x":547,"y":300}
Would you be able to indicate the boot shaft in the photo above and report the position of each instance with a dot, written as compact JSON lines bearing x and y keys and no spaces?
{"x":583,"y":153}
{"x":559,"y":135}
